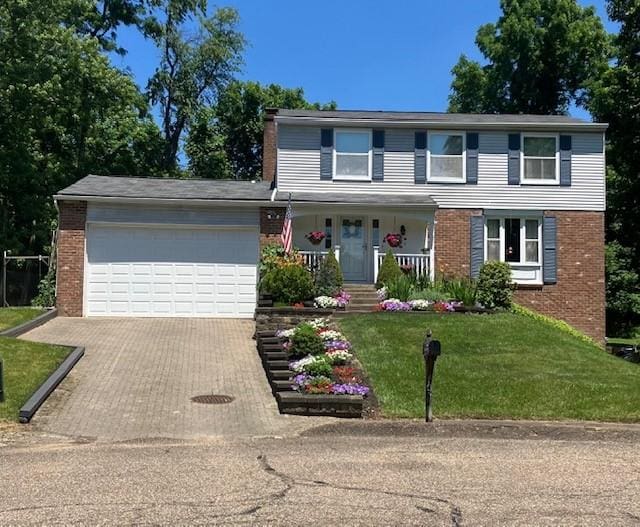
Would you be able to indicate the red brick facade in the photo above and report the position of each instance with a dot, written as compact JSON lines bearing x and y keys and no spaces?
{"x":71,"y":239}
{"x":269,"y":147}
{"x":578,"y":297}
{"x":271,"y":220}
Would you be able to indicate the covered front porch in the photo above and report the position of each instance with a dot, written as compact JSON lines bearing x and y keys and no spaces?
{"x":361,"y":236}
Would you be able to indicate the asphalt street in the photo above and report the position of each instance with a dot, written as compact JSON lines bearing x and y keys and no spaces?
{"x":341,"y":474}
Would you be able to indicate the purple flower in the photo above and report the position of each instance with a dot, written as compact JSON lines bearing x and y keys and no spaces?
{"x":342,"y":298}
{"x":394,"y":304}
{"x":300,"y":380}
{"x":337,"y":345}
{"x":350,"y":389}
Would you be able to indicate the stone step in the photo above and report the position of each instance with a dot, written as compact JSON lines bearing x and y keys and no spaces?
{"x":284,"y":375}
{"x":271,"y":346}
{"x":360,"y":300}
{"x":277,"y":364}
{"x":281,"y":385}
{"x":274,"y":355}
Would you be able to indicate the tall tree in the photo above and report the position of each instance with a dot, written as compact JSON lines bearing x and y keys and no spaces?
{"x":226,"y":141}
{"x":194,"y":68}
{"x":615,"y":99}
{"x":540,"y":57}
{"x":64,"y":112}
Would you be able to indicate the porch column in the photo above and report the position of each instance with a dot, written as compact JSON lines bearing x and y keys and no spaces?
{"x":376,"y":250}
{"x":336,"y":252}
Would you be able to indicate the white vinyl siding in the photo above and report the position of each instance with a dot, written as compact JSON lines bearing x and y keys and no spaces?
{"x":299,"y":171}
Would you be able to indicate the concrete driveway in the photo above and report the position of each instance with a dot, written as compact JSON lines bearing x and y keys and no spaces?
{"x":138,"y":376}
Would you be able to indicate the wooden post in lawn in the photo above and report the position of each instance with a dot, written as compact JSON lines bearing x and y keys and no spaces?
{"x":1,"y":382}
{"x":431,"y":351}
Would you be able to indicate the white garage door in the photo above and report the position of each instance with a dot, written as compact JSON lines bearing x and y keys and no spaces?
{"x":171,"y":272}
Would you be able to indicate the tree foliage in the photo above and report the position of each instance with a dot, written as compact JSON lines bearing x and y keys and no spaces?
{"x":194,"y":68}
{"x":64,"y":112}
{"x":541,"y":55}
{"x":615,"y":99}
{"x":225,"y":141}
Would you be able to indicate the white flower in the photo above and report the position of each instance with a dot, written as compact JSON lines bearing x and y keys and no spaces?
{"x":318,"y":323}
{"x":298,"y":366}
{"x":286,"y":333}
{"x":330,"y":334}
{"x":382,"y":293}
{"x":420,"y":305}
{"x":326,"y":302}
{"x":339,"y":356}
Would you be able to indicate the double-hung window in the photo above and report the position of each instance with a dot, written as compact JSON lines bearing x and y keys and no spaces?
{"x":352,"y":154}
{"x":540,"y":163}
{"x":446,"y":161}
{"x":518,"y":241}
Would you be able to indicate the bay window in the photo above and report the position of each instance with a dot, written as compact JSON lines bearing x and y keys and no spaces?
{"x":540,"y":159}
{"x":446,"y":160}
{"x":518,"y":241}
{"x":352,"y":154}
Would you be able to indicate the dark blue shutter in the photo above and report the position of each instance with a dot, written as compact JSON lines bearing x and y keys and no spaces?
{"x":549,"y":253}
{"x":378,"y":155}
{"x":565,"y":160}
{"x":420,"y":158}
{"x":326,"y":153}
{"x":514,"y":159}
{"x":476,"y":245}
{"x":472,"y":158}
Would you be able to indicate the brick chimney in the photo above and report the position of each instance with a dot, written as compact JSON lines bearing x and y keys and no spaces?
{"x":269,"y":146}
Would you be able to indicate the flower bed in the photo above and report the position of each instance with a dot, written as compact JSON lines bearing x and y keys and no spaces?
{"x":331,"y":371}
{"x":338,"y":301}
{"x":393,"y":304}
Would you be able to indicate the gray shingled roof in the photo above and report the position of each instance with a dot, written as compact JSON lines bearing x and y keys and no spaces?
{"x":161,"y":188}
{"x":356,"y":199}
{"x":437,"y":117}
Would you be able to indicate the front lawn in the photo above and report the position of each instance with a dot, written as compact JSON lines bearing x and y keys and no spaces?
{"x":492,"y":366}
{"x":26,"y":366}
{"x":14,"y":316}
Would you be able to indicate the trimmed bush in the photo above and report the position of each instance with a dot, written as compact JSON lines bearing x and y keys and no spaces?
{"x":305,"y":341}
{"x":389,"y":270}
{"x":495,"y":288}
{"x":289,"y":284}
{"x":329,"y":277}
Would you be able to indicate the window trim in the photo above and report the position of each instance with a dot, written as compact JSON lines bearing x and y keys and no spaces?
{"x":522,"y":264}
{"x":339,"y":177}
{"x":436,"y":179}
{"x":528,"y":181}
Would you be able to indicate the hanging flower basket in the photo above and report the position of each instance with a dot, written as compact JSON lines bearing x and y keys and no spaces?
{"x":315,"y":237}
{"x":393,"y":239}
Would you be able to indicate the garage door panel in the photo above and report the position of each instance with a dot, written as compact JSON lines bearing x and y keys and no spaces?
{"x":140,"y":271}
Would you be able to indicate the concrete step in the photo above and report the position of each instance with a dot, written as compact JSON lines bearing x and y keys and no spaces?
{"x":274,"y":355}
{"x":280,"y":375}
{"x":281,"y":385}
{"x":361,"y":300}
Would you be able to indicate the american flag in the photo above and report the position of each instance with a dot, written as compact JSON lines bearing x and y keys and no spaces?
{"x":286,"y":235}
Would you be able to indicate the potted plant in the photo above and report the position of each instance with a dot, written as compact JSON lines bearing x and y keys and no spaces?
{"x":393,"y":239}
{"x":315,"y":237}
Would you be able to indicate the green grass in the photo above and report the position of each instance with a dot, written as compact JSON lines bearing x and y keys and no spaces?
{"x":13,"y":316}
{"x":498,"y":366}
{"x":26,"y":366}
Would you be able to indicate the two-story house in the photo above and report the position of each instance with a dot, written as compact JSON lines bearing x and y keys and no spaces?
{"x":456,"y":190}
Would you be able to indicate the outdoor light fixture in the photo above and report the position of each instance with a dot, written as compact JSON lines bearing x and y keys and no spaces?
{"x":272,"y":215}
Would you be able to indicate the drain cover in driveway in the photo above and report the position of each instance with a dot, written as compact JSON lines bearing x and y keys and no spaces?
{"x":212,"y":399}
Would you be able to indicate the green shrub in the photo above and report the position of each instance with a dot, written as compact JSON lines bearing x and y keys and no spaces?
{"x":320,"y":367}
{"x":400,"y":287}
{"x":289,"y":284}
{"x":389,"y":270}
{"x":431,"y":294}
{"x":495,"y":288}
{"x":558,"y":324}
{"x":305,"y":341}
{"x":462,"y":289}
{"x":46,"y":296}
{"x":329,"y":277}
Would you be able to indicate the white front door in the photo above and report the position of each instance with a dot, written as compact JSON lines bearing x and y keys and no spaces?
{"x":352,"y":248}
{"x":171,"y":272}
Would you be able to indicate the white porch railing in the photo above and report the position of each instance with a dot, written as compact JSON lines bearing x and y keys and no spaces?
{"x":312,"y":259}
{"x":418,"y":263}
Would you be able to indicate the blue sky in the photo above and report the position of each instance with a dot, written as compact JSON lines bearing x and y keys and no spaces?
{"x":369,"y":55}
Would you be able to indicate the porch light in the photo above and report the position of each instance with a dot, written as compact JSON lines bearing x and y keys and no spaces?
{"x":273,"y":215}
